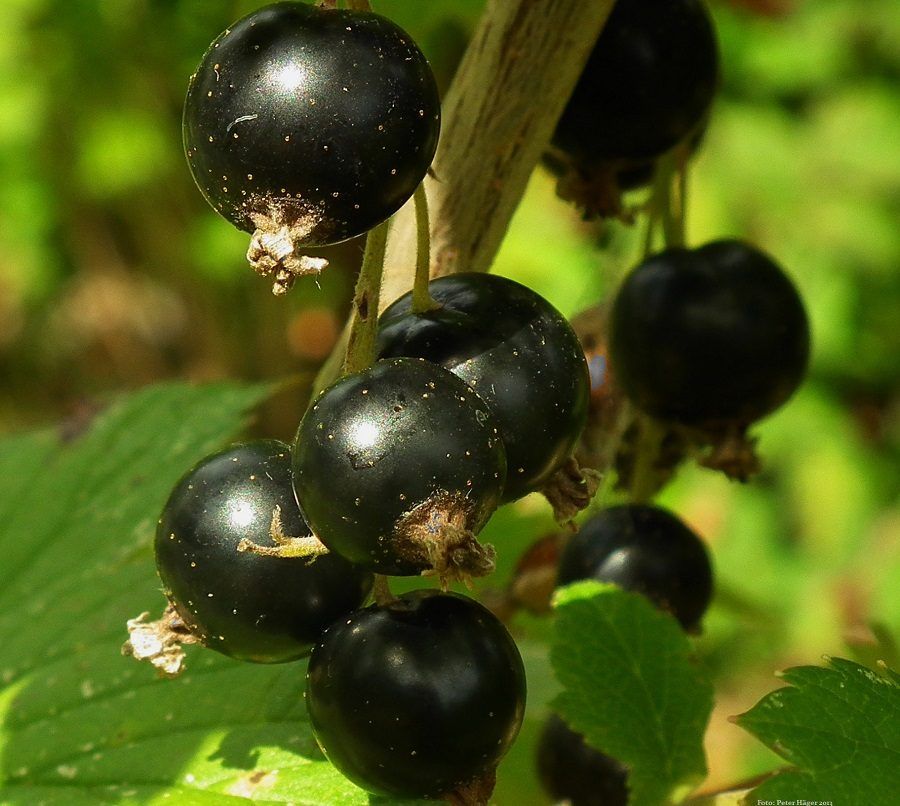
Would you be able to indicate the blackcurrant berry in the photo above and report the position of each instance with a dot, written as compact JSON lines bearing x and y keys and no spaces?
{"x":417,"y":697}
{"x":396,"y":467}
{"x":572,"y":771}
{"x":644,"y":549}
{"x":310,"y":123}
{"x":709,"y":336}
{"x":647,"y":85}
{"x":516,"y":351}
{"x":250,"y":607}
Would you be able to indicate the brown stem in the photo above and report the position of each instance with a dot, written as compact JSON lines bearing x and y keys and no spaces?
{"x":381,"y":591}
{"x":498,"y":117}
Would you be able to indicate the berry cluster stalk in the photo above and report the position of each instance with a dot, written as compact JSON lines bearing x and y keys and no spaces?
{"x":667,"y":207}
{"x":498,"y":117}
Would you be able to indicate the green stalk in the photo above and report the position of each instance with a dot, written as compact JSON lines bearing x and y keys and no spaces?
{"x":667,"y":201}
{"x":364,"y":317}
{"x":422,"y":300}
{"x":681,"y":178}
{"x":668,"y":204}
{"x":643,"y":473}
{"x":650,"y":231}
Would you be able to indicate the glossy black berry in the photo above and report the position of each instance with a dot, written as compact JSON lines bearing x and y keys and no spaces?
{"x":644,"y":549}
{"x":253,"y":608}
{"x":516,"y":351}
{"x":571,"y":770}
{"x":417,"y":697}
{"x":709,"y":336}
{"x":395,"y":464}
{"x":647,"y":85}
{"x":320,"y":120}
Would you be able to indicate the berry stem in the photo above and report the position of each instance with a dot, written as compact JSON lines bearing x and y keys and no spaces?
{"x":670,"y":195}
{"x":643,"y":481}
{"x":664,"y":205}
{"x":649,"y":233}
{"x":364,"y":317}
{"x":681,"y":178}
{"x":668,"y":205}
{"x":422,"y":300}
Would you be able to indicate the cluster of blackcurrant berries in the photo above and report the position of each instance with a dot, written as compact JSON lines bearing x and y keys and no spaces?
{"x":417,"y":695}
{"x":394,"y":470}
{"x":309,"y":124}
{"x":700,"y":343}
{"x":268,"y":551}
{"x":697,"y":345}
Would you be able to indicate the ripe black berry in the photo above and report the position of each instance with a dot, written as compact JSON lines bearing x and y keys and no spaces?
{"x":250,"y":607}
{"x":396,"y":467}
{"x":310,"y":124}
{"x":709,"y":336}
{"x":516,"y":351}
{"x":644,"y":549}
{"x":417,"y":697}
{"x":572,"y":771}
{"x":648,"y":83}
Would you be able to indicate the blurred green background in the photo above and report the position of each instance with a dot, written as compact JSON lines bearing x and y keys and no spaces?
{"x":115,"y":274}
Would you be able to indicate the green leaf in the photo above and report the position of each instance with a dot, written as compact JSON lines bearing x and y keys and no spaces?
{"x":631,"y":688}
{"x":79,"y":723}
{"x":840,"y":727}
